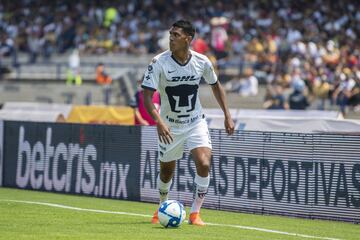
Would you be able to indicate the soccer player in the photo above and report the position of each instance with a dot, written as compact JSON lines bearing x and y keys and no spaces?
{"x":176,"y":74}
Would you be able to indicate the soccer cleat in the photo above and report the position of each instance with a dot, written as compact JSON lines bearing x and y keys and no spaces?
{"x":195,"y":219}
{"x":155,"y":218}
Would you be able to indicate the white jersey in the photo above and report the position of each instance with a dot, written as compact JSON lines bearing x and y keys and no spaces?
{"x":178,"y":85}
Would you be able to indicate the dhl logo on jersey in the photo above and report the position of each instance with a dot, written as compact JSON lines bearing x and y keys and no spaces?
{"x":183,"y":78}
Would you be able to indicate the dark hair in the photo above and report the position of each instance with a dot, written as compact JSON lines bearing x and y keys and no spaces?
{"x":186,"y":26}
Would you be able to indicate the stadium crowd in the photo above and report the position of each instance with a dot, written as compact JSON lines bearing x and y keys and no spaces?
{"x":300,"y":49}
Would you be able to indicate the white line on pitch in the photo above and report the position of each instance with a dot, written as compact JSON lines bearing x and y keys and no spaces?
{"x":149,"y":216}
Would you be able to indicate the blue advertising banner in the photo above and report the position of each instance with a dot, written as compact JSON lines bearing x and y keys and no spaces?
{"x":71,"y":158}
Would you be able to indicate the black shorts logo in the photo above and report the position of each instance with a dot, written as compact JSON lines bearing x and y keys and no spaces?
{"x":182,"y":98}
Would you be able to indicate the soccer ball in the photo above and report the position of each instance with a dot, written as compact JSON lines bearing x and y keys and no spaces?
{"x":171,"y":213}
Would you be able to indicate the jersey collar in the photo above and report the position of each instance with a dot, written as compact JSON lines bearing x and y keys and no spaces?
{"x":172,"y":56}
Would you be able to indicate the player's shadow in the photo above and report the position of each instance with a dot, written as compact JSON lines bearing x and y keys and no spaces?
{"x":161,"y":227}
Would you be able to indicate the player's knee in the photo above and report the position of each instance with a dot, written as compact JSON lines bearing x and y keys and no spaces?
{"x":204,"y":165}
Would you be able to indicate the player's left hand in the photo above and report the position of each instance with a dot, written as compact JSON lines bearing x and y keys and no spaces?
{"x":229,"y":125}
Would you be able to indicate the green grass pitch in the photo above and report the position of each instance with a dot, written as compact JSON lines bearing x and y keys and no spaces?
{"x":80,"y":217}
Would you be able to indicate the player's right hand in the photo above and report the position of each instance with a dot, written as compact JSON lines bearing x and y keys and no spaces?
{"x":164,"y":133}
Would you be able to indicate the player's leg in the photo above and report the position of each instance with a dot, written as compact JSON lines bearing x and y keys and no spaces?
{"x":199,"y":143}
{"x":164,"y":179}
{"x":202,"y":158}
{"x":168,"y":154}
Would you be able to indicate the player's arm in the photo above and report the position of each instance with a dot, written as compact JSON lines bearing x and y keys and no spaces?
{"x":150,"y":84}
{"x":219,"y":94}
{"x":162,"y":129}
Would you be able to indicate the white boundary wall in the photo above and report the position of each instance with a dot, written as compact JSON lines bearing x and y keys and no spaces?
{"x":295,"y":121}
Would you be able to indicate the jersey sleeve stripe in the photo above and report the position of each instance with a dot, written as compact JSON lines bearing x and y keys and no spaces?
{"x":214,"y":83}
{"x":146,"y":87}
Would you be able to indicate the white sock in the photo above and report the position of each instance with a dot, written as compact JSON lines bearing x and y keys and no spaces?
{"x":163,"y":189}
{"x":202,"y":184}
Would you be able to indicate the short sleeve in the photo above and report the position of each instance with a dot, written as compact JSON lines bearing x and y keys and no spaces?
{"x":152,"y":76}
{"x":209,"y":72}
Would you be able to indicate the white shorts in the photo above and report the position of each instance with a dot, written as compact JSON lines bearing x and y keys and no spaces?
{"x":194,"y":137}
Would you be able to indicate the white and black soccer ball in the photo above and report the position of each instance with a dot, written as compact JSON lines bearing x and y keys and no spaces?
{"x":171,"y":213}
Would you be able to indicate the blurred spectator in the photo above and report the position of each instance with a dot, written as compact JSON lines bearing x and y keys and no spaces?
{"x":344,"y":90}
{"x":7,"y":48}
{"x":111,"y":15}
{"x":142,"y":117}
{"x":34,"y":45}
{"x":297,"y":99}
{"x":321,"y":91}
{"x":199,"y":45}
{"x":275,"y":98}
{"x":247,"y":85}
{"x":104,"y":79}
{"x":73,"y":73}
{"x":354,"y":99}
{"x":219,"y":37}
{"x":164,"y":41}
